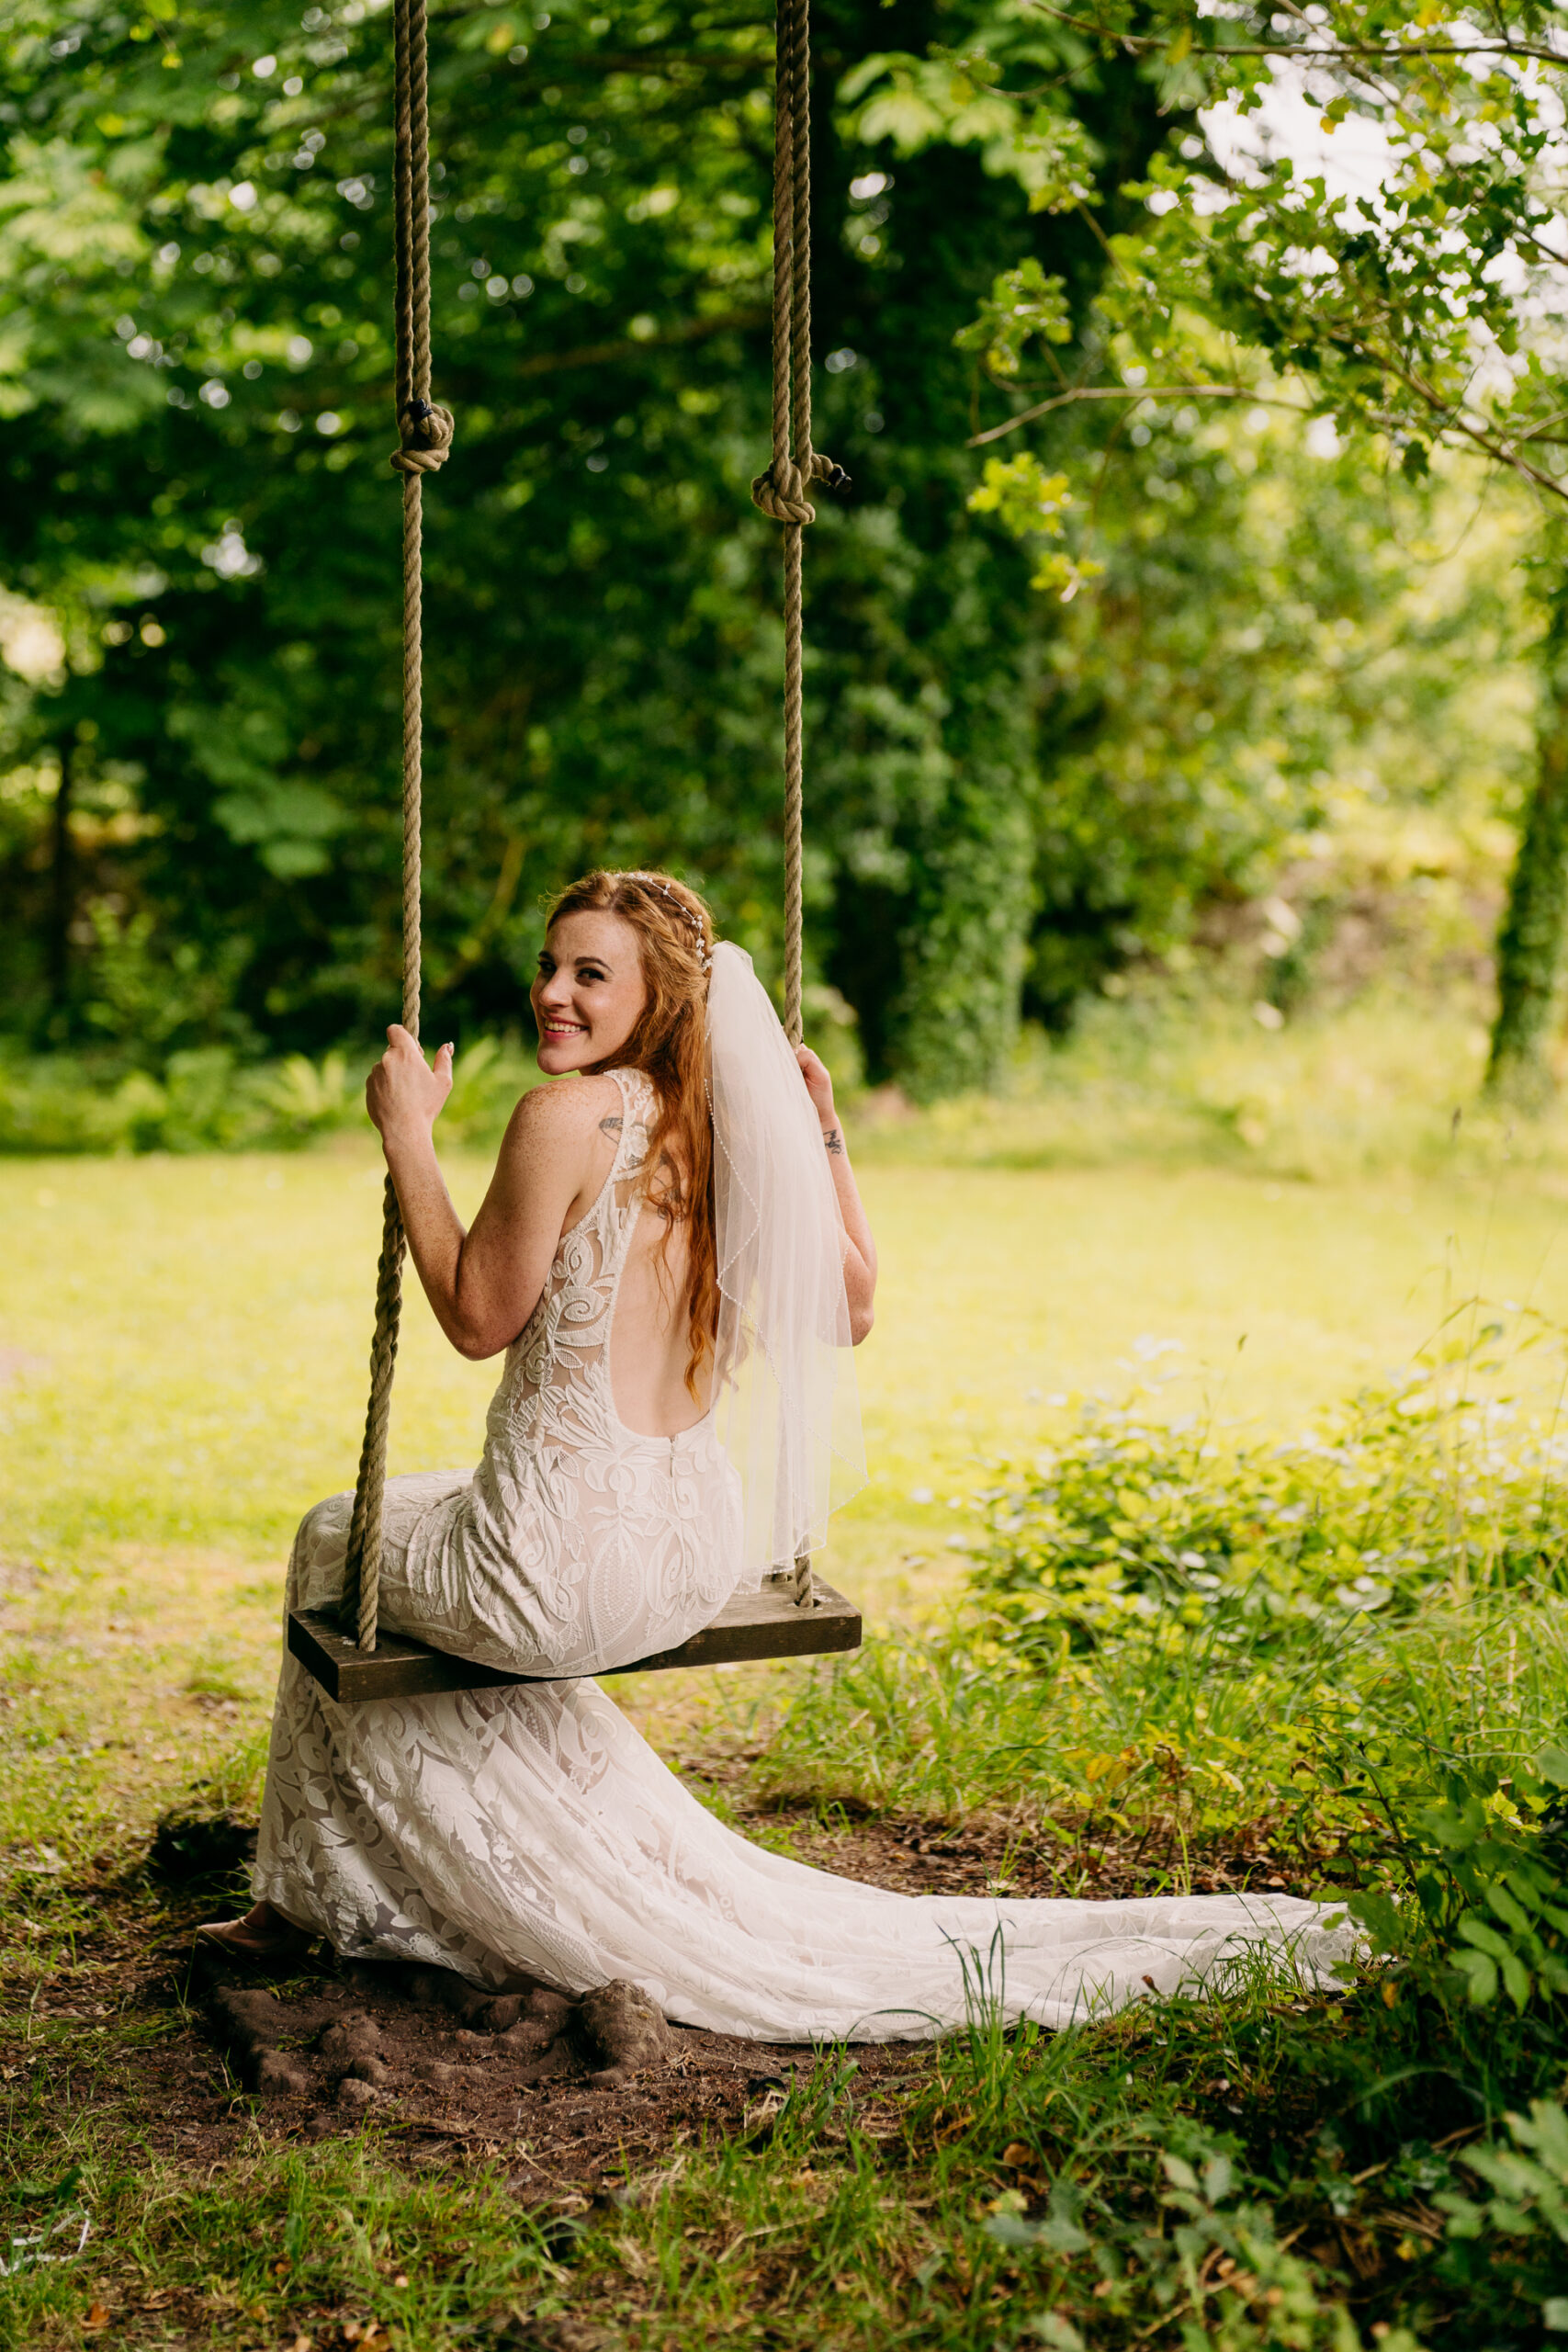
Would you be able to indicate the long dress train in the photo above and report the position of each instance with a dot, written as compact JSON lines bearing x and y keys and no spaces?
{"x":529,"y":1833}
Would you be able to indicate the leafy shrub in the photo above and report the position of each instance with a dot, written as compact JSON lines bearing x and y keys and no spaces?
{"x":206,"y":1099}
{"x":202,"y":1102}
{"x":1509,"y":2251}
{"x":1492,"y":1881}
{"x":1407,"y":1493}
{"x":148,"y":999}
{"x":1220,"y":2257}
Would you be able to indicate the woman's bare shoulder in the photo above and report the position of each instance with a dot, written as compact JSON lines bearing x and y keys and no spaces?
{"x":556,"y":1117}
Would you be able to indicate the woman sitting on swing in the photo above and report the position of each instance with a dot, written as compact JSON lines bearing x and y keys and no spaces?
{"x":674,"y":1256}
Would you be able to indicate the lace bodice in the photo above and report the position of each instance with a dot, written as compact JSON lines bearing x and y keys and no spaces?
{"x":556,"y":1388}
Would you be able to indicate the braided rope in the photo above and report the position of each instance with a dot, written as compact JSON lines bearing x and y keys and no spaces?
{"x":424,"y":438}
{"x":781,"y":491}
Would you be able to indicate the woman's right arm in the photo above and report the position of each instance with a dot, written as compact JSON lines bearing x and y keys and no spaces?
{"x":484,"y":1282}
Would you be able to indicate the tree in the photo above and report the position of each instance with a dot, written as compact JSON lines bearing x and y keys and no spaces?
{"x":194,"y":300}
{"x":1428,"y":312}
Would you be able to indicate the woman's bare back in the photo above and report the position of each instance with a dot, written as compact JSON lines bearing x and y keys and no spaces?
{"x":651,"y":1331}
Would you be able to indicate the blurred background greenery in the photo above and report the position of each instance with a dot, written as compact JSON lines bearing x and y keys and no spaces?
{"x":1252,"y":751}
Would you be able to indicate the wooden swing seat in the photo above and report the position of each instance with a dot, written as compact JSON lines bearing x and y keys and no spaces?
{"x":767,"y":1624}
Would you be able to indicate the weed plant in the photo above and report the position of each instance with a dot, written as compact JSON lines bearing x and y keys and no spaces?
{"x":1406,"y":1496}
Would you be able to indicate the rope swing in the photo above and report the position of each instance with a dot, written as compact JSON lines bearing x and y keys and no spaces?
{"x":781,"y":491}
{"x":424,"y":438}
{"x":425,"y":434}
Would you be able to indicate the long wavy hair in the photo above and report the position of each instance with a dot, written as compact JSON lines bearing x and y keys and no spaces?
{"x":675,"y":933}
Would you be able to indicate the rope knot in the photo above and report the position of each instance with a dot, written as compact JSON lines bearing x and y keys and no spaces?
{"x":781,"y":492}
{"x":426,"y":430}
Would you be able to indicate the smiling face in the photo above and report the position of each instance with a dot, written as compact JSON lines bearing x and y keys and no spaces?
{"x":590,"y":993}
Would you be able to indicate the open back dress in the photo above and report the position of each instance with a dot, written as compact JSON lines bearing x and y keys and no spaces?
{"x":527,"y":1833}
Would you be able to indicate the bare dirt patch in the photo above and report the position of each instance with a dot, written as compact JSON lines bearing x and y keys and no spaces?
{"x":192,"y":2053}
{"x":997,"y":1856}
{"x":570,"y":2091}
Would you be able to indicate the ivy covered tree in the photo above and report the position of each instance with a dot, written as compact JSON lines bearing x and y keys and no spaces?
{"x":1424,"y":310}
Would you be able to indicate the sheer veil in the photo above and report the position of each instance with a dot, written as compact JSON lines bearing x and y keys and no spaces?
{"x":787,"y":1406}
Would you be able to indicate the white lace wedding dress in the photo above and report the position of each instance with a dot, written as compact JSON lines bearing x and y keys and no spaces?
{"x":527,"y":1832}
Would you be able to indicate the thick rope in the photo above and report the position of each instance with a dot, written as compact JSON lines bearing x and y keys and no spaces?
{"x":424,"y":438}
{"x":781,"y":491}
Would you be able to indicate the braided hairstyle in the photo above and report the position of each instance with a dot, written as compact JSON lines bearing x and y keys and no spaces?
{"x":675,"y":933}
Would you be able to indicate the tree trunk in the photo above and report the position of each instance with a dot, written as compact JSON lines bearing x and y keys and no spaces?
{"x":62,"y":891}
{"x":1531,"y":942}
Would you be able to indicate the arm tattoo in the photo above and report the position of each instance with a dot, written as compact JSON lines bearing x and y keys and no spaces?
{"x":833,"y":1141}
{"x":610,"y":1127}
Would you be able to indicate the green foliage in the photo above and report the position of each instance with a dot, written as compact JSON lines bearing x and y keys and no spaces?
{"x":1490,"y":1881}
{"x":206,"y":1099}
{"x":951,"y":98}
{"x":1023,"y":303}
{"x":1406,"y":1493}
{"x":1007,"y":796}
{"x":147,"y":1004}
{"x":1029,"y":503}
{"x":1514,"y":2244}
{"x":195,"y":304}
{"x":1214,"y":2254}
{"x":1257,"y":636}
{"x":1425,"y":316}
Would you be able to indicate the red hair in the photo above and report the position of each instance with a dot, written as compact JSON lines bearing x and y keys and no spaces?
{"x":674,"y":932}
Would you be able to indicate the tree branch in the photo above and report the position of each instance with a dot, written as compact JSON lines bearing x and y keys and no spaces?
{"x":1145,"y":44}
{"x":1131,"y":393}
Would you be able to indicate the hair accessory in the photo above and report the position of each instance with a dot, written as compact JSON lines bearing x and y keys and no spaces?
{"x":679,"y":906}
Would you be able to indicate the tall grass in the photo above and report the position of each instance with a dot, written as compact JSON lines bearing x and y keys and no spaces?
{"x":1184,"y":1075}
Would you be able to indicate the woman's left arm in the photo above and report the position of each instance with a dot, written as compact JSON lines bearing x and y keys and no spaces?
{"x":860,"y":1250}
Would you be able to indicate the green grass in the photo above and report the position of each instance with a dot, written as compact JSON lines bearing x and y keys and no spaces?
{"x":189,"y":1336}
{"x":186,"y":1339}
{"x":1181,"y":1072}
{"x":1193,"y":2173}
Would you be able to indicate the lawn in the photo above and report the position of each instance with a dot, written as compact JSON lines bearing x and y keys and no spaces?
{"x":183,"y":1342}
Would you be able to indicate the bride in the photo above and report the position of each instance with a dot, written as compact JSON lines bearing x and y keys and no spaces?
{"x":674,"y":1256}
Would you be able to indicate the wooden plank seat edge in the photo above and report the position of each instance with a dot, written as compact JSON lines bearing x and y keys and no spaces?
{"x":751,"y":1625}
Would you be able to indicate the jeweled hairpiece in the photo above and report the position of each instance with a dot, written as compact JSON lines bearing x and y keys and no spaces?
{"x":687,"y":914}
